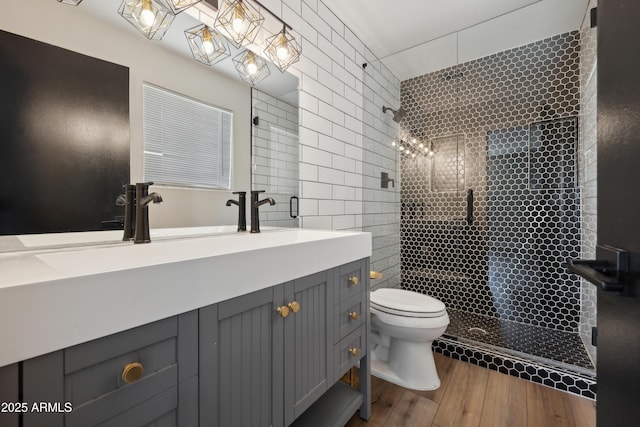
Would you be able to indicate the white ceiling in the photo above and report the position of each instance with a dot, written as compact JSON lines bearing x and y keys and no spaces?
{"x":415,"y":37}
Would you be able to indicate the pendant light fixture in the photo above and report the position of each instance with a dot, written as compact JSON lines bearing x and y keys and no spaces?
{"x":151,"y":17}
{"x":251,"y":67}
{"x":71,"y":2}
{"x":207,"y":45}
{"x":178,"y":6}
{"x":283,"y":49}
{"x":239,"y":21}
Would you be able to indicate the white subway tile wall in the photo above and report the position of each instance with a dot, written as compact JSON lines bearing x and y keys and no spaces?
{"x":381,"y":206}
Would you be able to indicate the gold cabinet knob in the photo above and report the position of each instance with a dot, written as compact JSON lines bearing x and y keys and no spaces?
{"x":374,"y":275}
{"x":354,"y":315}
{"x":354,"y":352}
{"x":354,"y":280}
{"x":132,"y":372}
{"x":283,"y":310}
{"x":294,"y":306}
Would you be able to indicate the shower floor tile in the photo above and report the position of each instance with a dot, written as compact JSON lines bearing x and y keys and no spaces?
{"x":554,"y":346}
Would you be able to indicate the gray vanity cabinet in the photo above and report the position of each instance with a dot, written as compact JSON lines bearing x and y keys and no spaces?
{"x":9,"y":395}
{"x":145,"y":376}
{"x":273,"y":357}
{"x":307,"y":342}
{"x":241,"y":371}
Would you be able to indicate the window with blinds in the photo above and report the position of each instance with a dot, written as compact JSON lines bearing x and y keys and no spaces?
{"x":186,"y":142}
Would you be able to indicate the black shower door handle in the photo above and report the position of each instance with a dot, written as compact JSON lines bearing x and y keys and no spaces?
{"x":470,"y":207}
{"x":291,"y":207}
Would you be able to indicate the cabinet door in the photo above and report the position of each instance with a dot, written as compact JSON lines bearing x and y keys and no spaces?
{"x":308,"y":341}
{"x":241,"y":361}
{"x":9,"y":395}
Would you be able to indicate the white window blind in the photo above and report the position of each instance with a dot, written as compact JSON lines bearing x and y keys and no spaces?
{"x":186,"y":142}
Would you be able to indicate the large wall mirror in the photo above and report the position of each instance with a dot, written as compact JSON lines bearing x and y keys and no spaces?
{"x":95,"y":31}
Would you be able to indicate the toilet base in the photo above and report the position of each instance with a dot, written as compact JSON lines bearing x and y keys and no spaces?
{"x":422,"y":377}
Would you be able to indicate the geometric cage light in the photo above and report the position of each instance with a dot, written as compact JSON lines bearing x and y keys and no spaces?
{"x":283,"y":49}
{"x":251,"y":67}
{"x":151,"y":17}
{"x":207,"y":45}
{"x":239,"y":21}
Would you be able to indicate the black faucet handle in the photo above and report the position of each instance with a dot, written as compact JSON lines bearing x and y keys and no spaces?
{"x":257,"y":191}
{"x":242,"y":193}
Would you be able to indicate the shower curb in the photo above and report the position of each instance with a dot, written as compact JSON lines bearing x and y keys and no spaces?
{"x":534,"y":371}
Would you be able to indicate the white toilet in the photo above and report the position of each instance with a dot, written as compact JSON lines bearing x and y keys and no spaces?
{"x":403,"y":326}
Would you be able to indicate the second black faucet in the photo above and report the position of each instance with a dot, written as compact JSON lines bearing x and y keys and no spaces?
{"x":255,"y":204}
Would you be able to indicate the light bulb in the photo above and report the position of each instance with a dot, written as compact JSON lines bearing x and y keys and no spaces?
{"x":413,"y":140}
{"x":401,"y":148}
{"x":283,"y":48}
{"x":413,"y":155}
{"x":251,"y":66}
{"x":147,"y":14}
{"x":238,"y":19}
{"x":207,"y":41}
{"x":421,"y":145}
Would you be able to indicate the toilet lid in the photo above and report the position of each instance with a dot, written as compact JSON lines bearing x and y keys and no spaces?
{"x":406,"y":303}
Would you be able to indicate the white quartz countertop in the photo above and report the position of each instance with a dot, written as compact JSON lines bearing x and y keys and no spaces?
{"x":52,"y":299}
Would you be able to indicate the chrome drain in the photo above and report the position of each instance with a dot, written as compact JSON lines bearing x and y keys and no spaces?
{"x":478,"y":331}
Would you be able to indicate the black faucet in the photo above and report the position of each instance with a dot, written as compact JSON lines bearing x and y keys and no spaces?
{"x":242,"y":209}
{"x":128,"y":200}
{"x":255,"y":204}
{"x":143,"y":198}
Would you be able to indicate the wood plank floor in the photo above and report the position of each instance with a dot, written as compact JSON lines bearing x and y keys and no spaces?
{"x":475,"y":397}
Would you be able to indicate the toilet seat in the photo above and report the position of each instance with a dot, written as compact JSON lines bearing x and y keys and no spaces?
{"x":405,"y":303}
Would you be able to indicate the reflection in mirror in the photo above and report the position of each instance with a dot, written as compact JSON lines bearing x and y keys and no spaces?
{"x":274,"y":154}
{"x":169,"y":64}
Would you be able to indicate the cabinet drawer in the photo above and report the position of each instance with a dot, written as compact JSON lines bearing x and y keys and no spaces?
{"x":94,"y":371}
{"x":345,"y":355}
{"x":350,"y":315}
{"x":351,"y":280}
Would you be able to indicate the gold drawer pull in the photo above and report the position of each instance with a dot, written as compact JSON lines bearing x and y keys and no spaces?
{"x":354,"y":280}
{"x":294,"y":306}
{"x":354,"y":315}
{"x":354,"y":352}
{"x":132,"y":372}
{"x":283,"y":310}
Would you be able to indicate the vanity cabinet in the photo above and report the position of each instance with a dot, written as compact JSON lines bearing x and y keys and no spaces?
{"x":271,"y":357}
{"x":9,"y":395}
{"x":142,"y":376}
